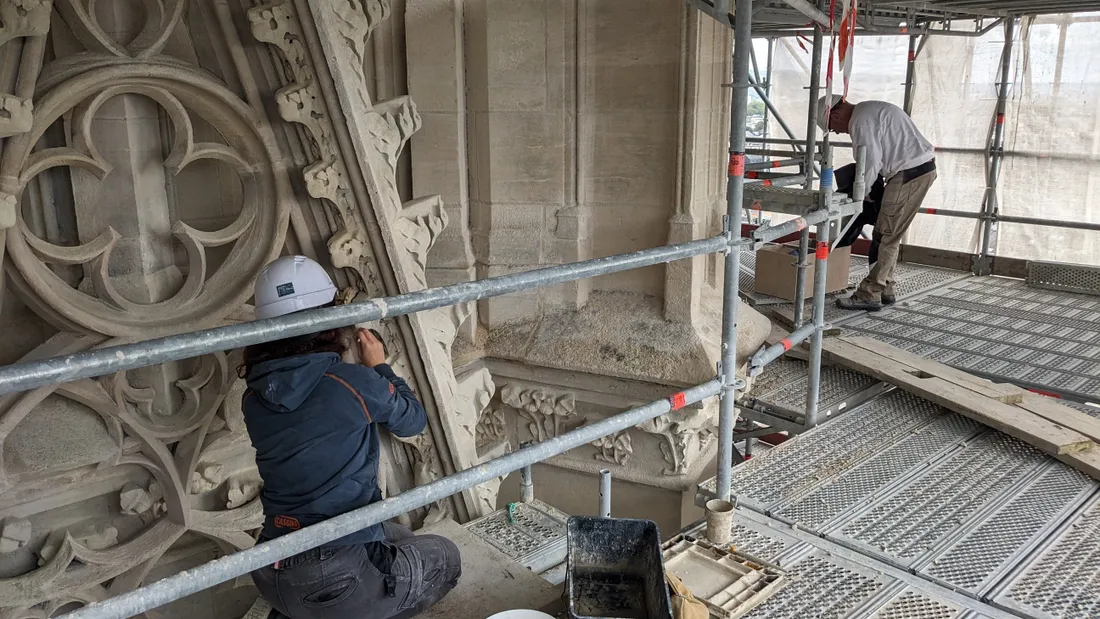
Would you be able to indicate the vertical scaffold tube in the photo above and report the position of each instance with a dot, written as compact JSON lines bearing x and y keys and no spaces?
{"x":605,"y":493}
{"x":995,"y":153}
{"x":811,"y":151}
{"x":735,"y":188}
{"x":526,"y":484}
{"x":821,"y":268}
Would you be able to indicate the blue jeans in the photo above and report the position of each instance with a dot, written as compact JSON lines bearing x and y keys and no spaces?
{"x":343,"y":583}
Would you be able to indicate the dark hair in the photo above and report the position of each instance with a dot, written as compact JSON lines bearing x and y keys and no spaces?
{"x":333,"y":340}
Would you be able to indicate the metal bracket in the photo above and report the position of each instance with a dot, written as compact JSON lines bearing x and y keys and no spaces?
{"x":982,"y":265}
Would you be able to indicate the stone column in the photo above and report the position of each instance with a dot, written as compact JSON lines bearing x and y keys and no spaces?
{"x":521,"y":136}
{"x":704,"y":129}
{"x":437,"y":82}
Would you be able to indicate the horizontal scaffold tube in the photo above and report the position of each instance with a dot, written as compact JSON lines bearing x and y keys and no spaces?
{"x":99,"y":362}
{"x":767,"y":354}
{"x":778,"y":163}
{"x":221,"y":570}
{"x":782,"y":180}
{"x":778,"y":231}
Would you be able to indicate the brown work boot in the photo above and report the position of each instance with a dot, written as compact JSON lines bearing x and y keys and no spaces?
{"x":888,"y":295}
{"x":854,"y":302}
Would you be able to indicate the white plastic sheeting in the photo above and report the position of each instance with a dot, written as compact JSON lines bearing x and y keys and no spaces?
{"x":1052,"y":137}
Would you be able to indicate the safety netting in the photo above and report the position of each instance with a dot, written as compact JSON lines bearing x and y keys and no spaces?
{"x":1051,"y":167}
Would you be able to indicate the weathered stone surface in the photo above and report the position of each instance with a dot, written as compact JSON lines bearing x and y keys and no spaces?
{"x":154,"y":162}
{"x":15,"y":534}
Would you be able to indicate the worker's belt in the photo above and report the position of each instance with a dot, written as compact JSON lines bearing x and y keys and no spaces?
{"x":919,"y":171}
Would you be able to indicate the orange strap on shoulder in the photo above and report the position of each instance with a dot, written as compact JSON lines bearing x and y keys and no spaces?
{"x":354,"y":393}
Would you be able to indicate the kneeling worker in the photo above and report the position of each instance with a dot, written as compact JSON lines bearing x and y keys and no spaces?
{"x":314,"y":422}
{"x":896,"y":150}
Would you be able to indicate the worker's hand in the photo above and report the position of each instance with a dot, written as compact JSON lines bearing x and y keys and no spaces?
{"x":371,"y":350}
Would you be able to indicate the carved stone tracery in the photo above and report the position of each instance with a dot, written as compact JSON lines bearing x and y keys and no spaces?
{"x":180,"y":423}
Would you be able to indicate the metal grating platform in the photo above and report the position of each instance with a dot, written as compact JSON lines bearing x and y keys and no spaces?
{"x":1064,"y":277}
{"x":912,"y":604}
{"x":822,"y":586}
{"x":762,"y":542}
{"x":1001,"y":329}
{"x":786,"y":381}
{"x":915,"y":519}
{"x":1063,"y":581}
{"x":536,"y":540}
{"x":981,"y":556}
{"x":796,"y":467}
{"x":912,"y":280}
{"x":849,"y":491}
{"x":902,"y":509}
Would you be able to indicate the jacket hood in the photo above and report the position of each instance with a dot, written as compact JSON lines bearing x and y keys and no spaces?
{"x":284,"y":384}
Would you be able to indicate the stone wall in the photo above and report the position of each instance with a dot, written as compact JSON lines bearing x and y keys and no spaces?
{"x":159,"y":155}
{"x":156,"y":155}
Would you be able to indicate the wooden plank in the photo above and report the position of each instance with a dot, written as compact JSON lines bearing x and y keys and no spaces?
{"x":1088,"y":462}
{"x":1048,"y":436}
{"x":1045,"y":435}
{"x":1009,"y":394}
{"x":1074,"y":419}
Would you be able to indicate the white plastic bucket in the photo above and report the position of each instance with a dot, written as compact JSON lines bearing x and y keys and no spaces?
{"x":521,"y":614}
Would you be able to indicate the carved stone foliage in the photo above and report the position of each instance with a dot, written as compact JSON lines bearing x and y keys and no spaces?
{"x":682,"y":437}
{"x":377,"y":133}
{"x":106,"y":238}
{"x":614,"y":448}
{"x":491,"y":428}
{"x":544,"y":410}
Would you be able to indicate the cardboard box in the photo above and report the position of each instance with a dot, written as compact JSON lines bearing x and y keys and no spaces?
{"x":777,"y":271}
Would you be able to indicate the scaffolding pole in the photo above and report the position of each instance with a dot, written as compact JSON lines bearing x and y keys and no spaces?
{"x":99,"y":362}
{"x":910,"y":73}
{"x":995,"y":154}
{"x":735,"y":192}
{"x":810,"y":149}
{"x":821,"y":268}
{"x":238,"y":564}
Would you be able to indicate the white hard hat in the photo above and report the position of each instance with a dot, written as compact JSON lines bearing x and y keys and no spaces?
{"x":825,"y":106}
{"x":291,"y":284}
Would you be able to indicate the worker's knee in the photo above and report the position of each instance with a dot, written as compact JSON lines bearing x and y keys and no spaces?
{"x":443,"y":562}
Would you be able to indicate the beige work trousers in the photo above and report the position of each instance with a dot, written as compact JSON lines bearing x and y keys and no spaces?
{"x":900,"y":203}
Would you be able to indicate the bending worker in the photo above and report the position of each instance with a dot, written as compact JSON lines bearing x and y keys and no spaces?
{"x":314,"y":422}
{"x":896,"y":150}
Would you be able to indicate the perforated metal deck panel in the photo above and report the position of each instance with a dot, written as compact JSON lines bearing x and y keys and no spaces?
{"x":797,"y":466}
{"x":829,"y":580}
{"x":786,"y":380}
{"x":912,"y":280}
{"x":762,"y":542}
{"x":1001,"y":329}
{"x":1088,"y":409}
{"x":851,"y":490}
{"x":823,"y":586}
{"x":994,"y":544}
{"x":912,"y":604}
{"x":1065,"y":277}
{"x":912,"y":521}
{"x":1063,"y":580}
{"x":536,"y":540}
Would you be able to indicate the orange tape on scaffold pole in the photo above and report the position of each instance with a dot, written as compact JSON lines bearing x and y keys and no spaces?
{"x":737,"y":164}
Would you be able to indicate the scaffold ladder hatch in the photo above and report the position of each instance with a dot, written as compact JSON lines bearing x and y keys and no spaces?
{"x":99,"y":362}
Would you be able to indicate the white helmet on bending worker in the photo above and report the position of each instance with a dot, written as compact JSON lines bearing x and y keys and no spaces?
{"x":825,"y":107}
{"x":292,"y":284}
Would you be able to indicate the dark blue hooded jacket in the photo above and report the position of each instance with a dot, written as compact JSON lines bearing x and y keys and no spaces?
{"x":312,"y":420}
